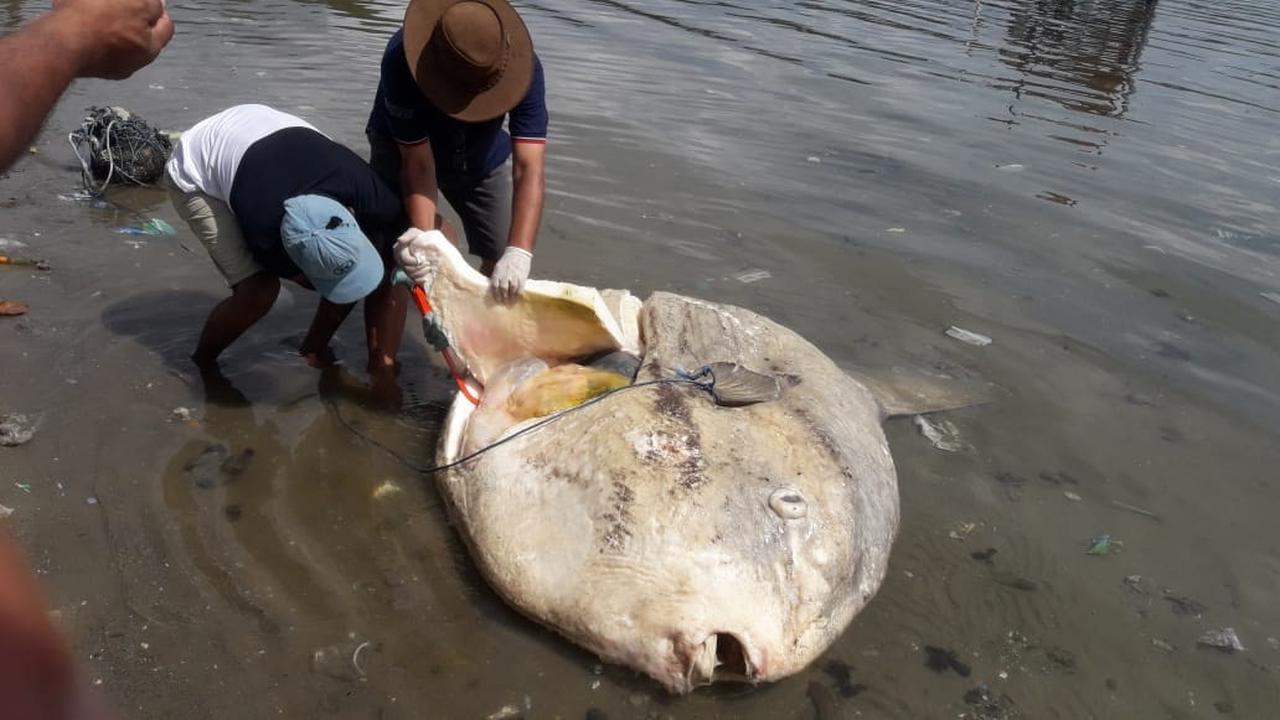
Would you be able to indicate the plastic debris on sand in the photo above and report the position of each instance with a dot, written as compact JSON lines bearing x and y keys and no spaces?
{"x":15,"y":429}
{"x":12,"y":308}
{"x":25,"y":262}
{"x":512,"y":711}
{"x":940,"y":433}
{"x":968,"y":336}
{"x":753,"y":276}
{"x":387,"y":490}
{"x":152,"y":226}
{"x":1225,"y":640}
{"x":1103,"y":545}
{"x":341,"y":661}
{"x":5,"y":511}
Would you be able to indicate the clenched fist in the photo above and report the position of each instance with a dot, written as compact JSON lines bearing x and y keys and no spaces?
{"x":113,"y":38}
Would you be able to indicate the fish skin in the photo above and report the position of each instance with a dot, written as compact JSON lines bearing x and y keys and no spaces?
{"x":646,"y":527}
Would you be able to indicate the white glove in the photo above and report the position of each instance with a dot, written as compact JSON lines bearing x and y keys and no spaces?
{"x":510,"y":274}
{"x":412,"y":254}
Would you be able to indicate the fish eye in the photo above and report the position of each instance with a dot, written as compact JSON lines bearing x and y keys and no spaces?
{"x":788,"y":504}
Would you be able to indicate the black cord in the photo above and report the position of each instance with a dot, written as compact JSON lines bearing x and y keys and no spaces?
{"x":701,"y":379}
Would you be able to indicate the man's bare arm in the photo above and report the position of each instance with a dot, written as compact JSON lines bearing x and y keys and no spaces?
{"x":315,"y":346}
{"x":418,"y":186}
{"x":80,"y":38}
{"x":528,"y":171}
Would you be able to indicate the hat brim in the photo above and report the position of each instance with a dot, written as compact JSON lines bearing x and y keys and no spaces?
{"x":420,"y":22}
{"x":362,"y":280}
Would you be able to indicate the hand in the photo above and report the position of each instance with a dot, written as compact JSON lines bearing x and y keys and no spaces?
{"x":114,"y":38}
{"x":433,"y":331}
{"x":413,"y":254}
{"x":510,"y":274}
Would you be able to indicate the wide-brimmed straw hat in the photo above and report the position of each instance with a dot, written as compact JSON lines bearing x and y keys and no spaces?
{"x":473,"y":59}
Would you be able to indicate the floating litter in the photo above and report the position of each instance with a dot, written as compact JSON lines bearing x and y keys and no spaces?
{"x":1103,"y":545}
{"x":5,"y":511}
{"x":16,"y":429}
{"x":1134,"y":509}
{"x":940,"y":433}
{"x":968,"y":336}
{"x":153,"y":226}
{"x":12,"y":308}
{"x":1225,"y":640}
{"x":814,"y":159}
{"x":1011,"y":167}
{"x":386,"y":490}
{"x":895,"y":230}
{"x":341,"y":661}
{"x":753,"y":276}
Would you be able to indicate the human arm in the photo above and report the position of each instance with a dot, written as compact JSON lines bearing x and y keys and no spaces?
{"x":528,"y":176}
{"x":529,"y":180}
{"x":418,"y":186}
{"x":80,"y":38}
{"x":315,"y":346}
{"x":528,"y":125}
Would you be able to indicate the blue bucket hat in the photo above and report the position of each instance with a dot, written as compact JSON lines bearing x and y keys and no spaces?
{"x":324,"y":241}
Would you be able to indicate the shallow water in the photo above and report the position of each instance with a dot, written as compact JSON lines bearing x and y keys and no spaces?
{"x":1091,"y":184}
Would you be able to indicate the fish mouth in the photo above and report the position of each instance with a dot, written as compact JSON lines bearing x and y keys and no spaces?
{"x":722,"y":657}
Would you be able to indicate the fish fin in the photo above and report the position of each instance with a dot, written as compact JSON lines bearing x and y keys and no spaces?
{"x":734,"y":385}
{"x":902,"y":391}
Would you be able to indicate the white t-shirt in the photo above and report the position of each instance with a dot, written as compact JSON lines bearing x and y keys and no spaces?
{"x":208,"y":155}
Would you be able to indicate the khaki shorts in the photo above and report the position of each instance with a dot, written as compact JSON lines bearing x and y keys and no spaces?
{"x":211,"y":221}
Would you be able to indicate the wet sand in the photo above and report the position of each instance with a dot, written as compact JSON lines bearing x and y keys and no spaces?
{"x":232,"y":565}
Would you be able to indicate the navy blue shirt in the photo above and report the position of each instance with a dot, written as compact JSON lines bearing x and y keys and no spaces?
{"x":464,"y":151}
{"x":301,"y":161}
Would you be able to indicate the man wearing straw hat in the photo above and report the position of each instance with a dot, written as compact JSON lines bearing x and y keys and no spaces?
{"x":450,"y":77}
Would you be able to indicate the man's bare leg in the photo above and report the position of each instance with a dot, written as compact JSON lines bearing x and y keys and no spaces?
{"x":384,"y":315}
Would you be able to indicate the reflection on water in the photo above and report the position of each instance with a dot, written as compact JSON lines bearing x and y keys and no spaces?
{"x":1088,"y":47}
{"x":1091,"y":183}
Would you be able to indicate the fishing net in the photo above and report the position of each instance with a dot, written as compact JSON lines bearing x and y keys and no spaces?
{"x":114,"y":145}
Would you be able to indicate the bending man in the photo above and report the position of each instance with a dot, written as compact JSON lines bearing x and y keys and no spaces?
{"x":271,"y":197}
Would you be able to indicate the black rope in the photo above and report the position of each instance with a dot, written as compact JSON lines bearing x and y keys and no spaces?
{"x":702,"y":379}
